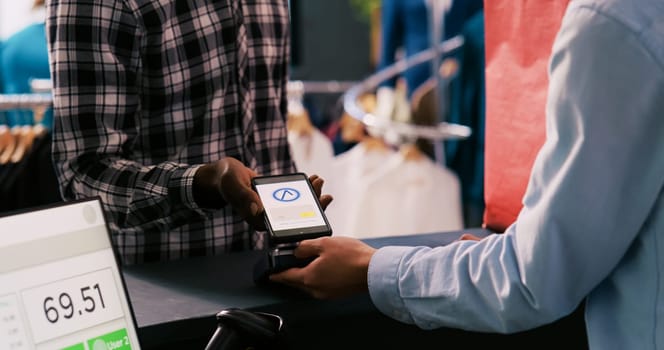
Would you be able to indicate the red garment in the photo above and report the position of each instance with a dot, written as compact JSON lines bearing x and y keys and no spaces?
{"x":519,"y":37}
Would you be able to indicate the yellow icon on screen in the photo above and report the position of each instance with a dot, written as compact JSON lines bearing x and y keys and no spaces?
{"x":307,"y":214}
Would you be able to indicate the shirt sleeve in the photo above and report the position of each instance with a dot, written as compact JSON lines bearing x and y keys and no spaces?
{"x":94,"y":49}
{"x":592,"y":187}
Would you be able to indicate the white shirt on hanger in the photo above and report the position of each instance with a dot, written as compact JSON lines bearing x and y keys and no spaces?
{"x":349,"y":173}
{"x":312,"y":153}
{"x":406,"y":196}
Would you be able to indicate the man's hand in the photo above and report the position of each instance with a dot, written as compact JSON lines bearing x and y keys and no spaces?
{"x":339,"y":269}
{"x":469,"y":237}
{"x":229,"y":181}
{"x":317,"y":183}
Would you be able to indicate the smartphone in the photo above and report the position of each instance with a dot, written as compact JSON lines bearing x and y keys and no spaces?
{"x":292,"y":210}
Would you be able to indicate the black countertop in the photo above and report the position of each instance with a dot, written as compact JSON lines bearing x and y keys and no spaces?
{"x":175,"y":304}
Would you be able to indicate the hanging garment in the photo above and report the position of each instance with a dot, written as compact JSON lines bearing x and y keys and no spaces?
{"x":29,"y":181}
{"x":407,"y":196}
{"x":25,"y":57}
{"x":517,"y":60}
{"x":312,"y":152}
{"x":467,"y":104}
{"x":349,"y":173}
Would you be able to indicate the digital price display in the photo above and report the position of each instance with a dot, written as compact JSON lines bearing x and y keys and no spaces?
{"x":60,"y":285}
{"x":68,"y":305}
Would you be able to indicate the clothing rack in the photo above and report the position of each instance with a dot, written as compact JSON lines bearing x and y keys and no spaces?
{"x":27,"y":177}
{"x":298,"y":88}
{"x":41,"y":85}
{"x":390,"y":129}
{"x":42,"y":89}
{"x":25,"y":101}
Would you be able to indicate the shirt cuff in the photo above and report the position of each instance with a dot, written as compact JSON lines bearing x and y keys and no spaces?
{"x":383,"y":281}
{"x":181,"y":185}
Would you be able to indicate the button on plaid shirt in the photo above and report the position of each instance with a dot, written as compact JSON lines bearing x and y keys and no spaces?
{"x":146,"y":91}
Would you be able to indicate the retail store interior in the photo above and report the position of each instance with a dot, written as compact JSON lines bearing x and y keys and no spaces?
{"x":453,"y":195}
{"x":335,"y":46}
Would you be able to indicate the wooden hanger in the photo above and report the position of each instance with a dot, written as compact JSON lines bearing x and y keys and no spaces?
{"x":410,"y":152}
{"x":38,"y":114}
{"x":374,"y":144}
{"x":24,"y":137}
{"x":10,"y":140}
{"x":5,"y":135}
{"x":24,"y":141}
{"x":368,"y":102}
{"x":6,"y":142}
{"x":300,"y":123}
{"x":297,"y":119}
{"x":352,"y":130}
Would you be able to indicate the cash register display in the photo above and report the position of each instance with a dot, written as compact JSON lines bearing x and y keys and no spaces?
{"x":60,"y":285}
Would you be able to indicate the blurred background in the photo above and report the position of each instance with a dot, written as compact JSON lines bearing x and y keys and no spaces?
{"x":386,"y":180}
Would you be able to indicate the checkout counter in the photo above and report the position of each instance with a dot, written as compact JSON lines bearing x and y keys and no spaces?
{"x":175,"y":304}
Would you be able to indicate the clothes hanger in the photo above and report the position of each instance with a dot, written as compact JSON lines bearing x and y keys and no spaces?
{"x":16,"y":142}
{"x":38,"y":115}
{"x":4,"y":137}
{"x":10,"y":147}
{"x":375,"y":144}
{"x":6,"y":143}
{"x":411,"y":153}
{"x":26,"y":136}
{"x":354,"y":131}
{"x":298,"y":121}
{"x":397,"y":130}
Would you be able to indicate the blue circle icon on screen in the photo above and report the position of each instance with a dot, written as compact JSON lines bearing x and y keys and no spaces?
{"x":286,"y":194}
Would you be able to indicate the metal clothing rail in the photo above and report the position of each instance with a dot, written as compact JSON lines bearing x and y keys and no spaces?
{"x":42,"y":89}
{"x":294,"y":87}
{"x":25,"y":101}
{"x":381,"y":124}
{"x":41,"y":85}
{"x":299,"y":87}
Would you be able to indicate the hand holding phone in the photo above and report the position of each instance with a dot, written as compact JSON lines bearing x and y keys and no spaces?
{"x":292,"y":213}
{"x":292,"y":210}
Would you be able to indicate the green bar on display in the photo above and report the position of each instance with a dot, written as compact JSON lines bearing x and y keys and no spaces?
{"x":75,"y":347}
{"x":117,"y":340}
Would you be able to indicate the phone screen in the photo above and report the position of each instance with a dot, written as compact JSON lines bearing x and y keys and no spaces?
{"x":291,"y":208}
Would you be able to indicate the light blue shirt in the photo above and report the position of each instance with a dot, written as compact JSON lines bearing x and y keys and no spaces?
{"x":592,"y":223}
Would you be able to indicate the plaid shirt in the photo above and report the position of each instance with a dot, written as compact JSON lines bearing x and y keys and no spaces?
{"x":146,"y":91}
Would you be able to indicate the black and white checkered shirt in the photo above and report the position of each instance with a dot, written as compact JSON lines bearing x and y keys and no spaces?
{"x":146,"y":91}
